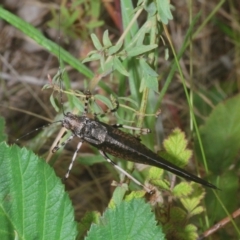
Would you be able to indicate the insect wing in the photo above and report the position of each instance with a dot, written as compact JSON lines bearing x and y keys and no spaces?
{"x":128,"y":147}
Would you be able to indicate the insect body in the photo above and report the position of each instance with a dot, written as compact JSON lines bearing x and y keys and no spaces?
{"x":110,"y":139}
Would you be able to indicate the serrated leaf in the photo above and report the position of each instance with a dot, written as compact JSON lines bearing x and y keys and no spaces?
{"x":164,"y":12}
{"x":154,"y":173}
{"x":162,"y":184}
{"x":192,"y":201}
{"x":197,"y":210}
{"x":33,"y":202}
{"x":190,"y":232}
{"x":190,"y":204}
{"x":175,"y":146}
{"x":88,"y":219}
{"x":3,"y":136}
{"x":177,"y":215}
{"x":106,"y":40}
{"x":129,"y":220}
{"x":96,"y":42}
{"x":138,"y":50}
{"x":182,"y":189}
{"x":135,"y":194}
{"x":119,"y":66}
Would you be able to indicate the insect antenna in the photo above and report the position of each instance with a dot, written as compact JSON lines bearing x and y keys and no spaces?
{"x":61,"y":72}
{"x":37,"y":129}
{"x":59,"y":79}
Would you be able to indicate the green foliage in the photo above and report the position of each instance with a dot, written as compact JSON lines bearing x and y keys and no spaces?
{"x":33,"y":203}
{"x":220,"y":137}
{"x":224,"y":141}
{"x":175,"y":146}
{"x":163,"y":7}
{"x":3,"y":136}
{"x":127,"y":220}
{"x":177,"y":228}
{"x":77,"y":19}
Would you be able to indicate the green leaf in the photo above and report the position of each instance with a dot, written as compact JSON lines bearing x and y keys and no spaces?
{"x":39,"y":38}
{"x":88,"y":219}
{"x":119,"y":66}
{"x":182,"y":189}
{"x":114,"y":49}
{"x":118,"y":195}
{"x":94,"y":24}
{"x":3,"y":136}
{"x":104,"y":100}
{"x":151,"y":9}
{"x":197,"y":210}
{"x":154,"y":178}
{"x":106,"y":40}
{"x":175,"y":146}
{"x":96,"y":42}
{"x":129,"y":220}
{"x":128,"y":99}
{"x":149,"y":82}
{"x":220,"y":135}
{"x":53,"y":101}
{"x":161,"y":184}
{"x":190,"y":232}
{"x":89,"y":160}
{"x":147,"y":69}
{"x":175,"y":227}
{"x":191,"y":202}
{"x":177,"y":214}
{"x":164,"y":12}
{"x":138,"y":50}
{"x":93,"y":57}
{"x":135,"y":194}
{"x":77,"y":103}
{"x":33,"y":202}
{"x":155,"y":173}
{"x":229,"y":181}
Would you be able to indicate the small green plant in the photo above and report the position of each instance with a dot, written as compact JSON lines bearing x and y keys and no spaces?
{"x":77,"y":19}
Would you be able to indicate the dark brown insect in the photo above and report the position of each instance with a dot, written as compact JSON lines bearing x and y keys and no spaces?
{"x":110,"y":139}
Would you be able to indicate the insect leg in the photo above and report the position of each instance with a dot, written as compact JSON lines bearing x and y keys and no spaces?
{"x":124,"y":172}
{"x":110,"y":110}
{"x":62,"y":144}
{"x":73,"y":159}
{"x":88,"y":96}
{"x":143,"y":131}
